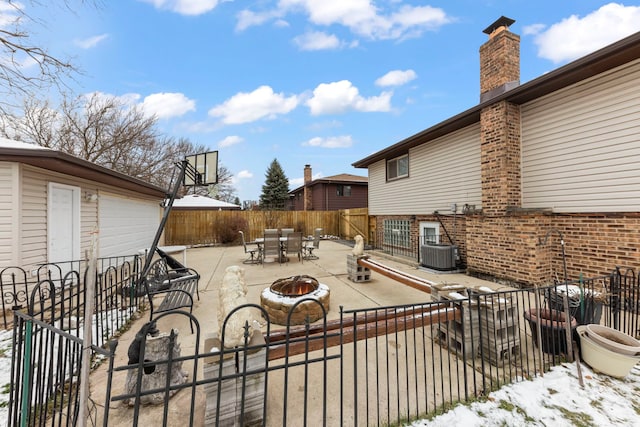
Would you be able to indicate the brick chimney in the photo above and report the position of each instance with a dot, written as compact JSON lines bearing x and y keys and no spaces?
{"x":499,"y":60}
{"x":307,"y":188}
{"x":500,"y":121}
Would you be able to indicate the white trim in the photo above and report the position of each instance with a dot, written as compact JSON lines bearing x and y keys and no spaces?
{"x":429,"y":225}
{"x":75,"y":212}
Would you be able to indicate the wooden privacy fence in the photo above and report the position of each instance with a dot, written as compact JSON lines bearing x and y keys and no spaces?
{"x":206,"y":227}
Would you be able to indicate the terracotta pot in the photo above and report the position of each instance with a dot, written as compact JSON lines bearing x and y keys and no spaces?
{"x":613,"y":340}
{"x":602,"y":359}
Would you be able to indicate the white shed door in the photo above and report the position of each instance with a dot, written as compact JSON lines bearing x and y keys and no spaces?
{"x":126,"y":225}
{"x":63,"y":234}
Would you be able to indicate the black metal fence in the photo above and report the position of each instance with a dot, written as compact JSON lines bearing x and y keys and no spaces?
{"x":378,"y":366}
{"x":397,"y":243}
{"x":388,"y":365}
{"x":45,"y":374}
{"x":48,"y":320}
{"x":58,"y":284}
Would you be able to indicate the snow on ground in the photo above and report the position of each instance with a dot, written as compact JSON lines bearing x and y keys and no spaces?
{"x":5,"y":373}
{"x":555,"y":399}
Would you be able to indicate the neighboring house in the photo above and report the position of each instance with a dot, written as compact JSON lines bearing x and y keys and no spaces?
{"x":554,"y":158}
{"x":51,"y":203}
{"x":196,"y":202}
{"x":331,"y":193}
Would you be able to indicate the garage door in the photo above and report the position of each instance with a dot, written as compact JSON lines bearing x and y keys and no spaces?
{"x":126,"y":225}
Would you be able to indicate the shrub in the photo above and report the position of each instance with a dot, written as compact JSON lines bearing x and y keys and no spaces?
{"x":228,"y":231}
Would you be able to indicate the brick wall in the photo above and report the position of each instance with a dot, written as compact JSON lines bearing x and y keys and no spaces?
{"x":511,"y":249}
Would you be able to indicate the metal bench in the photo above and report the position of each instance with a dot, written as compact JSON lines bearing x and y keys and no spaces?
{"x":176,"y":286}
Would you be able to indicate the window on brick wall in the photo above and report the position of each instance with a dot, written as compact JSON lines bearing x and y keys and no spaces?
{"x":429,"y":233}
{"x":398,"y":167}
{"x":397,"y":232}
{"x":344,"y":191}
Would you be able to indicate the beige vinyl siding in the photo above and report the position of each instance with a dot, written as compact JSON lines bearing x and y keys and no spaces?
{"x":441,"y":172}
{"x":33,"y":246}
{"x":9,"y":213}
{"x":581,"y":146}
{"x":34,"y":208}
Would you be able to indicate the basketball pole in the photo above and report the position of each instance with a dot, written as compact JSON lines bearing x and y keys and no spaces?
{"x":184,"y":164}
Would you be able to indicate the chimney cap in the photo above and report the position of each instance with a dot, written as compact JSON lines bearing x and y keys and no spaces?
{"x":503,"y":21}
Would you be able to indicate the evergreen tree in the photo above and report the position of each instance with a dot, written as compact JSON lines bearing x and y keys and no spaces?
{"x":275,"y":191}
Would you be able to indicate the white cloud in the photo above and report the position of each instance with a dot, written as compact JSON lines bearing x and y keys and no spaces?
{"x":247,"y":18}
{"x":249,"y":107}
{"x":245,"y":174}
{"x":230,"y":140}
{"x":297,"y":182}
{"x":363,"y":17}
{"x":167,"y":105}
{"x":185,"y":7}
{"x":343,"y":141}
{"x":396,"y":78}
{"x":574,"y":37}
{"x":529,"y":30}
{"x":90,"y":42}
{"x":10,"y":13}
{"x":317,"y":40}
{"x":342,"y":96}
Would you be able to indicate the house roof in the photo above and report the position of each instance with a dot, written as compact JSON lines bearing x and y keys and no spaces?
{"x":607,"y":58}
{"x":343,"y":178}
{"x":57,"y":161}
{"x":202,"y":202}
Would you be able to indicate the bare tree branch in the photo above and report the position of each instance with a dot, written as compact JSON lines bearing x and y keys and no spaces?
{"x":25,"y":67}
{"x":109,"y":132}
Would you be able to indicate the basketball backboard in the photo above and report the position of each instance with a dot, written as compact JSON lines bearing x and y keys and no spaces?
{"x":202,"y":169}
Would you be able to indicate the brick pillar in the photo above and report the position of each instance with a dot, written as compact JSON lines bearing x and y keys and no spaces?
{"x":307,"y":203}
{"x":500,"y":157}
{"x":500,"y":122}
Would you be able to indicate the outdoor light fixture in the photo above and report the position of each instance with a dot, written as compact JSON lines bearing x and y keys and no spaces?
{"x":90,"y":197}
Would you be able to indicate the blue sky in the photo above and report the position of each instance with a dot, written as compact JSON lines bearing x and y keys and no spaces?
{"x":319,"y":82}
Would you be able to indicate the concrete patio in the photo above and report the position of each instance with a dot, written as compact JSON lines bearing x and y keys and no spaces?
{"x":211,"y":262}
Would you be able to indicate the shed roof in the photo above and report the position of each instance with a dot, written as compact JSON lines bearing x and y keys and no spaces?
{"x":57,"y":161}
{"x":607,"y":58}
{"x":202,"y":202}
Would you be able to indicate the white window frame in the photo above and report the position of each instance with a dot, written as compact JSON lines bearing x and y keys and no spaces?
{"x":395,"y":169}
{"x":429,"y":225}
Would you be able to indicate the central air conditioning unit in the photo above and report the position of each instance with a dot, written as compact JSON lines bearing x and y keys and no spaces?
{"x":439,"y":257}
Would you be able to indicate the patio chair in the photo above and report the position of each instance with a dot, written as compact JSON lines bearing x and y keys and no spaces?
{"x":254,"y":252}
{"x":271,"y":248}
{"x":311,"y":245}
{"x":286,"y":231}
{"x":272,"y":231}
{"x":294,"y":245}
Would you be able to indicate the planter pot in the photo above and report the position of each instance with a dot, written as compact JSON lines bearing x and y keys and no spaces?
{"x":589,"y":312}
{"x":553,"y":329}
{"x":602,"y":359}
{"x":613,"y":340}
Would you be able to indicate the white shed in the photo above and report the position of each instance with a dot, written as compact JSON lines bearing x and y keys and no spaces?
{"x":51,"y":203}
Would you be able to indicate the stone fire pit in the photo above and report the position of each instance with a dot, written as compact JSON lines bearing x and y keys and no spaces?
{"x":283,"y":294}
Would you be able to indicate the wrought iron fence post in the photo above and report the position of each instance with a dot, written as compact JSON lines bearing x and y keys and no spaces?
{"x":26,"y":374}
